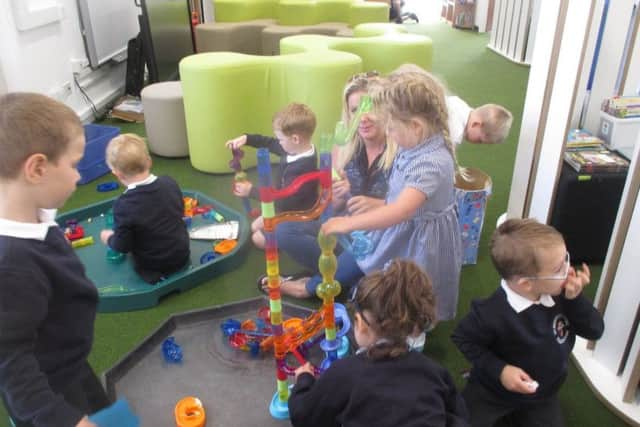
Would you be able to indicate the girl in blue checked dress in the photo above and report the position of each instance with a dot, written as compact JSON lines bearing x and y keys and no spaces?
{"x":419,"y":220}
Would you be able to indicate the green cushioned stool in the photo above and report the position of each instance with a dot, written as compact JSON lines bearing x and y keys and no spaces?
{"x":227,"y":94}
{"x":387,"y":48}
{"x":302,"y":12}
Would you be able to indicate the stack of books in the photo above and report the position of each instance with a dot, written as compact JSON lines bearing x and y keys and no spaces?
{"x":622,"y":106}
{"x":581,"y":139}
{"x":596,"y":161}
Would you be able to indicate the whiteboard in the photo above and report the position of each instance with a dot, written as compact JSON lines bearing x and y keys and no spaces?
{"x":107,"y":26}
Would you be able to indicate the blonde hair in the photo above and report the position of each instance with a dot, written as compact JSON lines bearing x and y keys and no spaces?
{"x":496,"y":122}
{"x":31,"y":123}
{"x":295,"y":119}
{"x":410,"y":94}
{"x":515,"y":246}
{"x":128,"y":154}
{"x":398,"y":300}
{"x":361,"y":83}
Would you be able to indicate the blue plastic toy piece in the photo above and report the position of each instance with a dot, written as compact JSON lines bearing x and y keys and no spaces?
{"x":107,"y":186}
{"x":342,"y":318}
{"x":117,"y":415}
{"x":207,"y":256}
{"x":343,"y":350}
{"x":171,"y":350}
{"x":229,"y":327}
{"x":254,"y":348}
{"x":359,"y":246}
{"x":279,"y":410}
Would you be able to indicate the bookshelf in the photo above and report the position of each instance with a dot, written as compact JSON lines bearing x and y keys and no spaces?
{"x":585,"y":211}
{"x":459,"y":13}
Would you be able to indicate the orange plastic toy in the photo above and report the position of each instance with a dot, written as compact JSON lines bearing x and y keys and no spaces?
{"x":225,"y":246}
{"x":189,"y":412}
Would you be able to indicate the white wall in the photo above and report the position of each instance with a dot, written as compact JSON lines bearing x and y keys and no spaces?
{"x":610,"y":56}
{"x":40,"y":59}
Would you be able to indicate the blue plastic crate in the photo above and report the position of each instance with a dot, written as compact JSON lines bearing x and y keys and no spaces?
{"x":93,"y":165}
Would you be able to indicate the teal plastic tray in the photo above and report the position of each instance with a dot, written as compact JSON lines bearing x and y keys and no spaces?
{"x":119,"y":286}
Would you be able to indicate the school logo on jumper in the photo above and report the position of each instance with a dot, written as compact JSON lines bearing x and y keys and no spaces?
{"x":560,"y":328}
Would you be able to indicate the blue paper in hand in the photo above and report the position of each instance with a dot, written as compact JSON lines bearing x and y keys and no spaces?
{"x":117,"y":415}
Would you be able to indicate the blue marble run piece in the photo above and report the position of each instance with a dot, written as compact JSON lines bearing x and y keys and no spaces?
{"x":171,"y":350}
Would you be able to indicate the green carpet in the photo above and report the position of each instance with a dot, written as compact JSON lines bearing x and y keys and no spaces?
{"x":471,"y":71}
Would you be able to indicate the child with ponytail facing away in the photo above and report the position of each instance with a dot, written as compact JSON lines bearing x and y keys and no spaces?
{"x":418,"y":220}
{"x":383,"y":384}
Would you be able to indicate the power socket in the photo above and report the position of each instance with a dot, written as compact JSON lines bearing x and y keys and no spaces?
{"x":62,"y":92}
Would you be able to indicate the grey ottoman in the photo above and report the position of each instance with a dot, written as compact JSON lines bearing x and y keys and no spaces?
{"x":164,"y":119}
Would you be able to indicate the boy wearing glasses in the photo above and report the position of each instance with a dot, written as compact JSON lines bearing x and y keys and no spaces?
{"x":519,"y":338}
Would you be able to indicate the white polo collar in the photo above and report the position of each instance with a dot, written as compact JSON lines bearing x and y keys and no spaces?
{"x":146,"y":181}
{"x":520,"y":303}
{"x":293,"y":157}
{"x":29,"y":230}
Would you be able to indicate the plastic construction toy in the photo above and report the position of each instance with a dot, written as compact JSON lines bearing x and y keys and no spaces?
{"x":190,"y":205}
{"x":225,"y":246}
{"x":115,"y":257}
{"x":241,"y":176}
{"x":171,"y":350}
{"x":283,"y":340}
{"x":117,"y":415}
{"x":107,"y":186}
{"x":189,"y":412}
{"x":207,"y":256}
{"x":85,"y":241}
{"x":256,"y":336}
{"x":73,"y":230}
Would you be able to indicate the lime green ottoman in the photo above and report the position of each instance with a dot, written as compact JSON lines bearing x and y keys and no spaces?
{"x":244,"y":10}
{"x":227,"y":94}
{"x":301,"y":12}
{"x":383,"y":53}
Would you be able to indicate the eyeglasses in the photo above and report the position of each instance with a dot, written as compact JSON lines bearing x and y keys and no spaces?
{"x":353,"y":292}
{"x":560,"y":276}
{"x":363,"y":76}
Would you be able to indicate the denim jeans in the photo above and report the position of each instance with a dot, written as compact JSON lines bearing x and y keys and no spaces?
{"x":348,"y":273}
{"x":300,"y":241}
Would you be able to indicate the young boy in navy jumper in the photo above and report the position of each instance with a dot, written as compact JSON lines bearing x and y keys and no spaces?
{"x":519,"y":339}
{"x":47,"y":303}
{"x":147,"y":217}
{"x":293,"y":127}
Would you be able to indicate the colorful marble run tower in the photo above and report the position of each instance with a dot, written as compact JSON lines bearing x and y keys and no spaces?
{"x":327,"y":290}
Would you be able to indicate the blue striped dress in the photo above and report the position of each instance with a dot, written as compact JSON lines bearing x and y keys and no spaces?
{"x":432,"y":237}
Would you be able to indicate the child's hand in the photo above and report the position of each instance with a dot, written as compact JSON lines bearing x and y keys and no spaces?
{"x":336,"y":225}
{"x":306,"y":368}
{"x":84,"y":422}
{"x":242,"y":188}
{"x":234,"y":144}
{"x":105,"y":234}
{"x":576,"y":281}
{"x":360,"y":204}
{"x":516,"y":380}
